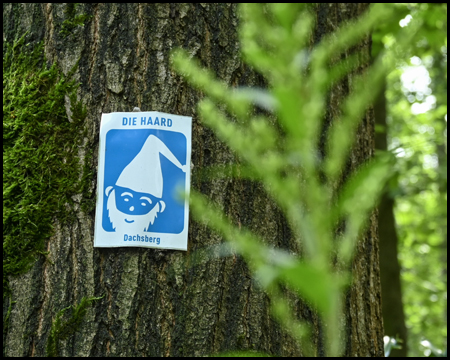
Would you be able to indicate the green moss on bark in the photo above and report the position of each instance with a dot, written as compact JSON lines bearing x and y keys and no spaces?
{"x":62,"y":329}
{"x":73,"y":20}
{"x":41,"y":171}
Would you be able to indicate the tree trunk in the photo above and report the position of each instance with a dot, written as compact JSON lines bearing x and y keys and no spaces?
{"x":156,"y":303}
{"x":391,"y":290}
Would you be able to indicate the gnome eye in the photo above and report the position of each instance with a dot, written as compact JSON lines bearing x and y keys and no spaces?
{"x":127,"y":196}
{"x":144,"y":203}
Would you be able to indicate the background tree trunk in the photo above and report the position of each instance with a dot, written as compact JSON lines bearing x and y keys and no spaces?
{"x":391,"y":290}
{"x":155,"y":303}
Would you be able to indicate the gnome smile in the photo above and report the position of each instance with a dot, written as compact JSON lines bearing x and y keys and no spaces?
{"x":136,"y":198}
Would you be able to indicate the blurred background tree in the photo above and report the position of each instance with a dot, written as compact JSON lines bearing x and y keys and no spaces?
{"x":412,"y":123}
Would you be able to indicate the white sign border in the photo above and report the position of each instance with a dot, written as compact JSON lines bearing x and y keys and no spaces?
{"x":110,"y":121}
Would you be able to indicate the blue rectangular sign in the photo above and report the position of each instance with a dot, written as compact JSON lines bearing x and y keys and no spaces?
{"x":143,"y":174}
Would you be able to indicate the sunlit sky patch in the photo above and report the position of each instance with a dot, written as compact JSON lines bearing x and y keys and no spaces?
{"x":415,"y":85}
{"x":405,"y":21}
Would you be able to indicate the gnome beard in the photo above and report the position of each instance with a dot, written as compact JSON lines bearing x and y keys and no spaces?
{"x":122,"y":222}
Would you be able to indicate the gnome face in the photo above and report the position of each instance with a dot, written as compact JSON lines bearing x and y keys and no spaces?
{"x":129,"y":210}
{"x":134,"y":203}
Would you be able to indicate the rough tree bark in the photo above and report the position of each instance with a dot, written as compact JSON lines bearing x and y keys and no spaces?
{"x":155,"y":304}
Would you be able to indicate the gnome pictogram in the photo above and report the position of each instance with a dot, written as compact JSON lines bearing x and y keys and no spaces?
{"x":136,"y":198}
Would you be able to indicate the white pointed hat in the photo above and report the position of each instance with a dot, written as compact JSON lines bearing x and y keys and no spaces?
{"x":143,"y":173}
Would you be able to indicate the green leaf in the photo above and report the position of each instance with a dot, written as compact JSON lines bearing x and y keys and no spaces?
{"x":359,"y":197}
{"x":314,"y":284}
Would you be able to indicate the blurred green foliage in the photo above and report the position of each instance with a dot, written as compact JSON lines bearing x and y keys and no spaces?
{"x":417,"y":134}
{"x":281,"y":150}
